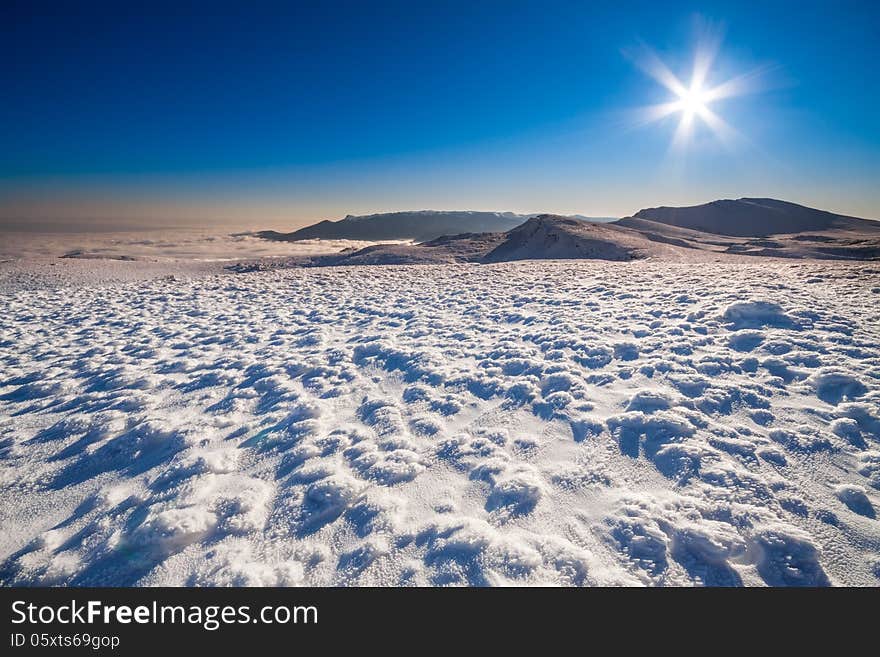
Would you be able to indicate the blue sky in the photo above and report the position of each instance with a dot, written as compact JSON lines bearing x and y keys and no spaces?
{"x":282,"y":114}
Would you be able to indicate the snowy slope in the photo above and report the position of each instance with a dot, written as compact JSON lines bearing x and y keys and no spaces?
{"x":555,"y":237}
{"x":554,"y":422}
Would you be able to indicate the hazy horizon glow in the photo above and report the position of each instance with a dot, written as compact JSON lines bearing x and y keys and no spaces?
{"x":150,"y":121}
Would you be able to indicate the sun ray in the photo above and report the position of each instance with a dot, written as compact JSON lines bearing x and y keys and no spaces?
{"x":740,"y":85}
{"x":683,"y":132}
{"x":648,"y":61}
{"x":703,"y":60}
{"x":726,"y":133}
{"x":661,"y":111}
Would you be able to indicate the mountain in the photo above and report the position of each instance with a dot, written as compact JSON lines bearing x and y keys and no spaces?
{"x":555,"y":237}
{"x":714,"y":231}
{"x":749,"y":217}
{"x":745,"y":217}
{"x":703,"y":233}
{"x":542,"y":237}
{"x":420,"y":226}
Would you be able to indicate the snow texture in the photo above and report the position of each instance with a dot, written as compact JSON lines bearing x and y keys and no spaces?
{"x":555,"y":422}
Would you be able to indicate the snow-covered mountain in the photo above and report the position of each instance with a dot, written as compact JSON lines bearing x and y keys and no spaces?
{"x":543,"y":237}
{"x":750,"y":217}
{"x":547,"y":237}
{"x":420,"y":225}
{"x":735,"y":227}
{"x":555,"y":237}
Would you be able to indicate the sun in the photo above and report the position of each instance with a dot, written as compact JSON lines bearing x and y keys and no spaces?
{"x":693,"y":100}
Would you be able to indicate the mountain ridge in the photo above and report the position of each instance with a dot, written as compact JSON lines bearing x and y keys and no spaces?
{"x":750,"y":217}
{"x":417,"y":225}
{"x":742,"y":227}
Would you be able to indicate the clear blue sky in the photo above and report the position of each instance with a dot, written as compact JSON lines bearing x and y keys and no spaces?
{"x":281,"y":114}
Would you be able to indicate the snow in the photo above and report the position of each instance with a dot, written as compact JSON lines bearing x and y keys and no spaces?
{"x":538,"y":422}
{"x":746,"y":314}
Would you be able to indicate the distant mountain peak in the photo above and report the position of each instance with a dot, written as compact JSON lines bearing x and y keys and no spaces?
{"x":418,"y":225}
{"x":750,"y":217}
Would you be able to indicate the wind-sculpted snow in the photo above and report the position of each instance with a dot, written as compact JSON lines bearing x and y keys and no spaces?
{"x":574,"y":423}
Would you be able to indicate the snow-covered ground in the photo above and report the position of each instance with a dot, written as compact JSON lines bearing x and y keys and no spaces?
{"x":574,"y":423}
